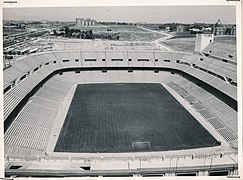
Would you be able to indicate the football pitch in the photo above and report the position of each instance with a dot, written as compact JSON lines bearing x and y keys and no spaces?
{"x":113,"y":117}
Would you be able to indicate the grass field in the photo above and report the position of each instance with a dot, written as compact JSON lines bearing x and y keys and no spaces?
{"x":110,"y":117}
{"x":126,"y":32}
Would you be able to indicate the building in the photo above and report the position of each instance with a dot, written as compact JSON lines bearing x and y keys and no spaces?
{"x":180,"y":29}
{"x":231,"y":30}
{"x":46,"y":79}
{"x":202,"y":41}
{"x":43,"y":21}
{"x":85,"y":22}
{"x":167,"y":29}
{"x":220,"y":29}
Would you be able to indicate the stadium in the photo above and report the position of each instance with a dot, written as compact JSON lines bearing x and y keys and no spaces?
{"x":116,"y":112}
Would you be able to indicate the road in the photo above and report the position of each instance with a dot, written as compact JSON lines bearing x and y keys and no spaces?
{"x":158,"y":43}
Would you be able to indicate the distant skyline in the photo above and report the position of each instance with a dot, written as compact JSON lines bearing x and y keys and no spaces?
{"x":133,"y":14}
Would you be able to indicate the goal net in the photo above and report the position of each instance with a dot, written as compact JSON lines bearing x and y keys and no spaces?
{"x":141,"y":146}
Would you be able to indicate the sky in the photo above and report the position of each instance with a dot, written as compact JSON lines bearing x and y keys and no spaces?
{"x":133,"y":14}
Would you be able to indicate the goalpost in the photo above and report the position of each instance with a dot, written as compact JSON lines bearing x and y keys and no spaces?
{"x":141,"y":146}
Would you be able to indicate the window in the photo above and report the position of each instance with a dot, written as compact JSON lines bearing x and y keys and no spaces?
{"x":76,"y":60}
{"x":229,"y":79}
{"x":201,"y":59}
{"x":153,"y":175}
{"x":143,"y":60}
{"x":7,"y":88}
{"x":54,"y":62}
{"x":177,"y":61}
{"x":187,"y":174}
{"x":85,"y":167}
{"x":103,"y":59}
{"x":90,"y":60}
{"x":65,"y":60}
{"x":117,"y":175}
{"x":218,"y":173}
{"x":36,"y":69}
{"x":15,"y":167}
{"x":230,"y":56}
{"x":116,"y":59}
{"x":166,"y":60}
{"x":129,"y":59}
{"x":156,"y":60}
{"x":233,"y":83}
{"x":47,"y":63}
{"x":23,"y":77}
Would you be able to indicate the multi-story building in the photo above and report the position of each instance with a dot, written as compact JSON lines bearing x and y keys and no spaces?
{"x":220,"y":29}
{"x":85,"y":22}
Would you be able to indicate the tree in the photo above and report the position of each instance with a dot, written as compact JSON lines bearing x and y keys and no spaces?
{"x":89,"y":34}
{"x":67,"y":31}
{"x":55,"y":32}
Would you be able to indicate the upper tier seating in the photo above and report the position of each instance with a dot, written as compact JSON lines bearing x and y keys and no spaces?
{"x":221,"y":50}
